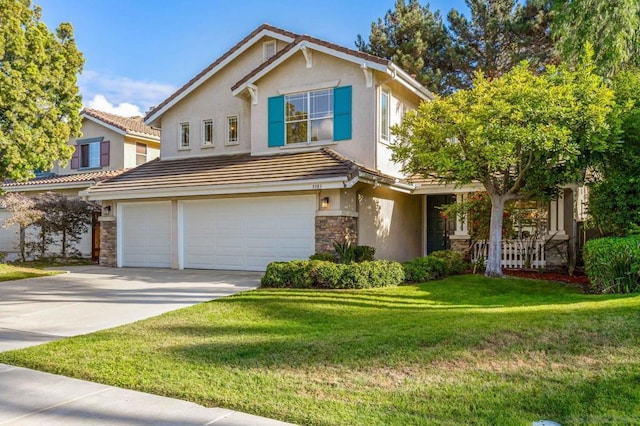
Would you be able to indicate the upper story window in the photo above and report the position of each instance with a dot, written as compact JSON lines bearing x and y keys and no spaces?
{"x":232,"y":130}
{"x":90,"y":155}
{"x":385,"y":101}
{"x":309,"y":116}
{"x":184,"y":135}
{"x":141,"y":153}
{"x":269,"y":49}
{"x":207,"y":132}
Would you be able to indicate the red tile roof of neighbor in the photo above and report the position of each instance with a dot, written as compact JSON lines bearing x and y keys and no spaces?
{"x":128,"y":124}
{"x":54,"y":179}
{"x":235,"y":169}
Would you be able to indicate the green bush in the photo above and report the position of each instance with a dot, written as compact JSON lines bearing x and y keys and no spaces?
{"x":364,"y":253}
{"x":423,"y":269}
{"x":324,"y":274}
{"x":327,"y":257}
{"x":454,"y":263}
{"x":613,"y":264}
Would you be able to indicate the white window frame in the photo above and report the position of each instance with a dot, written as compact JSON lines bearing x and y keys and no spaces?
{"x":265,"y":49}
{"x":228,"y":140}
{"x":385,"y":132}
{"x":308,"y":119}
{"x":146,"y":152}
{"x":181,"y":128}
{"x":205,"y":142}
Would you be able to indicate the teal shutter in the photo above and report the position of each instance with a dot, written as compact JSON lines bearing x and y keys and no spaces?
{"x":276,"y":121}
{"x":342,"y":113}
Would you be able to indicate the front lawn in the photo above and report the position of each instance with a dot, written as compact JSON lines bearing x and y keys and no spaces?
{"x":11,"y":272}
{"x":465,"y":350}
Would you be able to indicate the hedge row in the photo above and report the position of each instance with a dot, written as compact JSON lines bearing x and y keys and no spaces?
{"x":438,"y":264}
{"x":324,"y":274}
{"x":613,"y":264}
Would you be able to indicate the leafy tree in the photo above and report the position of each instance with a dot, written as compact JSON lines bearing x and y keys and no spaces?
{"x":614,"y":196}
{"x":68,"y":218}
{"x":521,"y":135}
{"x":414,"y":38}
{"x":39,"y":99}
{"x":23,"y":214}
{"x":612,"y":27}
{"x":498,"y":35}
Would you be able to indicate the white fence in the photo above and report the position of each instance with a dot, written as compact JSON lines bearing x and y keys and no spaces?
{"x":515,"y":253}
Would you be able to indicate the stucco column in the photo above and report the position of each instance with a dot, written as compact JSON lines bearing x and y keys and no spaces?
{"x":556,"y":216}
{"x":462,"y":227}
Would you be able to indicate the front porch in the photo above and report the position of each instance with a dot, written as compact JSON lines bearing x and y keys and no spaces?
{"x":549,"y":243}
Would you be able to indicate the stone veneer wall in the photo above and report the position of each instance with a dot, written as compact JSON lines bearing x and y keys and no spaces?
{"x":335,"y":228}
{"x":556,"y":254}
{"x":461,"y":245}
{"x":108,"y":237}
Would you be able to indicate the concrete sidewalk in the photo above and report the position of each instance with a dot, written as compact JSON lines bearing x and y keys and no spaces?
{"x":91,"y":298}
{"x":30,"y":397}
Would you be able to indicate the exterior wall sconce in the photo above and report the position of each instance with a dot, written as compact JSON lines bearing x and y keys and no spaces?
{"x":324,"y":202}
{"x":106,"y":211}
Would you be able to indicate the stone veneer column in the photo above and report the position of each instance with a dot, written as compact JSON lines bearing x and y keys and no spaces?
{"x":108,"y":241}
{"x":335,"y":228}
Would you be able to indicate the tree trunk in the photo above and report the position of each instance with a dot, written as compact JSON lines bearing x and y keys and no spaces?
{"x":22,"y":244}
{"x":494,"y":266}
{"x":64,"y":244}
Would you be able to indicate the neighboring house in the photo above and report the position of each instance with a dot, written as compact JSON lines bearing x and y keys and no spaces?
{"x":273,"y":152}
{"x":109,"y":145}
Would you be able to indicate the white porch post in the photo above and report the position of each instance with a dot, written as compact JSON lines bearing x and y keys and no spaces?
{"x":462,"y":226}
{"x":556,"y":216}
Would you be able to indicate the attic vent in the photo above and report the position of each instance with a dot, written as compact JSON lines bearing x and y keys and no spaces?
{"x":268,"y":49}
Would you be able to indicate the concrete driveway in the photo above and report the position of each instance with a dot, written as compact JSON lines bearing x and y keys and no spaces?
{"x":92,"y":298}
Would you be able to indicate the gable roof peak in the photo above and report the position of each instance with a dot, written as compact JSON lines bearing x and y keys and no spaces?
{"x":134,"y":124}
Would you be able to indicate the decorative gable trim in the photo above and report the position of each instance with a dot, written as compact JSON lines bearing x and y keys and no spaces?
{"x":264,"y":30}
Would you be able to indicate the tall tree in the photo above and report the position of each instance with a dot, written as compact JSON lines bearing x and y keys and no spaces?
{"x":612,"y":27}
{"x":39,"y":98}
{"x":497,"y":35}
{"x":415,"y":38}
{"x":521,"y":135}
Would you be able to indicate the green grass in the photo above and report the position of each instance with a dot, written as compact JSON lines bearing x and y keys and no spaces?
{"x":11,"y":272}
{"x":465,"y":350}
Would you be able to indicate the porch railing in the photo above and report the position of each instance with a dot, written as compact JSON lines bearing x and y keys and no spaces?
{"x":515,"y":253}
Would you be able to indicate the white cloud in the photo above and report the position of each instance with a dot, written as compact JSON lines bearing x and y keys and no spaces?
{"x":121,"y":91}
{"x":124,"y":109}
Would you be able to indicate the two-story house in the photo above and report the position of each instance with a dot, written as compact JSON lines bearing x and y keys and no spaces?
{"x":275,"y":151}
{"x":109,"y":145}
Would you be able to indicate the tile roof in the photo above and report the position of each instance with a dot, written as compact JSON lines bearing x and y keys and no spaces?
{"x":54,"y":179}
{"x":233,"y":169}
{"x":220,"y":60}
{"x":133,"y":125}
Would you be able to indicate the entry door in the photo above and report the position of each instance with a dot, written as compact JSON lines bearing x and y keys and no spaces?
{"x":438,"y":228}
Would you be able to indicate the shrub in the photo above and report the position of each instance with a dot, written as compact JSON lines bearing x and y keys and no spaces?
{"x":324,"y":274}
{"x":327,"y":257}
{"x":454,"y":263}
{"x":345,"y":251}
{"x":423,"y":269}
{"x":364,"y":253}
{"x":613,"y":264}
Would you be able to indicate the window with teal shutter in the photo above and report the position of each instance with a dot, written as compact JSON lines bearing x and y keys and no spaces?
{"x":276,"y":121}
{"x":342,"y":113}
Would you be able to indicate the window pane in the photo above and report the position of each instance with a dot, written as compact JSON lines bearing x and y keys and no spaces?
{"x":94,"y":154}
{"x":84,"y":155}
{"x":141,"y":148}
{"x":384,"y":116}
{"x":322,"y":130}
{"x":184,"y":135}
{"x":232,"y":129}
{"x":208,"y":132}
{"x":297,"y":132}
{"x":296,"y":107}
{"x":321,"y":104}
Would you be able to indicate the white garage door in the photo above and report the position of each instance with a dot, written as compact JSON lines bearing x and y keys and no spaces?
{"x":246,"y":233}
{"x":144,"y":234}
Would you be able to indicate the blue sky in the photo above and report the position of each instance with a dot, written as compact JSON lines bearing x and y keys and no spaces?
{"x":138,"y":52}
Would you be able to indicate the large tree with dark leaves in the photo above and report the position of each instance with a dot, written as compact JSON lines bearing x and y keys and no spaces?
{"x":39,"y":97}
{"x":496,"y":35}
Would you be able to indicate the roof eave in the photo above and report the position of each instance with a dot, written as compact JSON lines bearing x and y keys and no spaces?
{"x":48,"y":187}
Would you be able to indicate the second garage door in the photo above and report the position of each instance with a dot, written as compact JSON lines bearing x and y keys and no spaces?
{"x":246,"y":233}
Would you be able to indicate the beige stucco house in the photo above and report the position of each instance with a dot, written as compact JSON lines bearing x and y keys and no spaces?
{"x":109,"y":145}
{"x":274,"y":151}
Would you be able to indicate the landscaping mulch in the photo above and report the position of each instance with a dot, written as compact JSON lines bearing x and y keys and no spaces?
{"x":580,"y":280}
